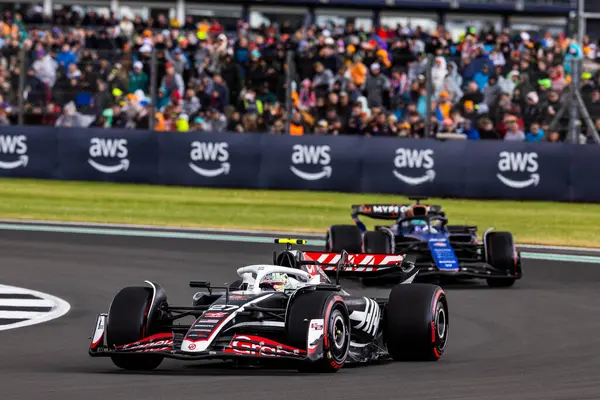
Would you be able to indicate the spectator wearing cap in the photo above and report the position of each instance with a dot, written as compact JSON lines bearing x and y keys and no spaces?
{"x":322,"y":128}
{"x":179,"y":61}
{"x":138,"y":79}
{"x":377,"y":85}
{"x":531,"y":111}
{"x":469,"y":111}
{"x":444,"y":106}
{"x":587,"y":84}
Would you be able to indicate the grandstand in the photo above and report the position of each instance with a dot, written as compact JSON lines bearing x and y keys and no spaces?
{"x":459,"y":69}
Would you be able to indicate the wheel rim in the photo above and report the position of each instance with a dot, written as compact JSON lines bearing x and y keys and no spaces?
{"x":339,"y":332}
{"x":441,"y":326}
{"x":440,"y":323}
{"x":339,"y":337}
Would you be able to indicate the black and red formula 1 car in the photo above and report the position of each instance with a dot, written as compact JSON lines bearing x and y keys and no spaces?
{"x":288,"y":312}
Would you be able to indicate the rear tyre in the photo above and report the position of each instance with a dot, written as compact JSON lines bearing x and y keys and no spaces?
{"x":127,"y":323}
{"x":500,"y":250}
{"x":344,"y":237}
{"x":377,"y":242}
{"x":330,"y":308}
{"x":416,"y":322}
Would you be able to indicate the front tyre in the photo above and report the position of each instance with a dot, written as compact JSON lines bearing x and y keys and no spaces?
{"x":336,"y":329}
{"x":128,"y":323}
{"x":501,"y":254}
{"x":416,"y":322}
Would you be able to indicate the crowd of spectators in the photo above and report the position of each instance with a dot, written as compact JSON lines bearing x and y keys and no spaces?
{"x":96,"y":71}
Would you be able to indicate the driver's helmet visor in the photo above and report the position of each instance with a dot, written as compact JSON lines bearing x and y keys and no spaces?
{"x":276,"y":281}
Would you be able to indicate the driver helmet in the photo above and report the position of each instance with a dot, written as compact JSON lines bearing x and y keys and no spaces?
{"x":276,"y":281}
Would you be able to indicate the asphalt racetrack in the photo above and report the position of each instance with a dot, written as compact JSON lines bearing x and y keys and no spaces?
{"x":537,"y":340}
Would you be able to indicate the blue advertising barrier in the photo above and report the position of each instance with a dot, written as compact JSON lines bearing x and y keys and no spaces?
{"x":462,"y":169}
{"x":209,"y":159}
{"x":107,"y":155}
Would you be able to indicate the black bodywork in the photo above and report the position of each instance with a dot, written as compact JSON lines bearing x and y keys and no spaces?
{"x":234,"y":324}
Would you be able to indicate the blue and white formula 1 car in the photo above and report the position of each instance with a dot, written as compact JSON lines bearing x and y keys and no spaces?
{"x":287,"y":312}
{"x":420,"y":232}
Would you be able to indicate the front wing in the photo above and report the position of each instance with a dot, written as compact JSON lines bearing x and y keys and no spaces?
{"x":467,"y":270}
{"x":246,"y":346}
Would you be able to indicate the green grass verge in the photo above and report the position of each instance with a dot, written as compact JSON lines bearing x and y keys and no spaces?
{"x":530,"y":222}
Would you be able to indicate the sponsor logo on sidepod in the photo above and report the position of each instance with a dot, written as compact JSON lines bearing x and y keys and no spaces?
{"x":414,"y":160}
{"x":517,"y":162}
{"x":113,"y":149}
{"x":214,"y":153}
{"x":14,"y":146}
{"x":311,"y":155}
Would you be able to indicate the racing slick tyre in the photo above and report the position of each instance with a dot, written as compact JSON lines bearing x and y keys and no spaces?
{"x":416,"y":322}
{"x":377,"y":242}
{"x":127,"y":323}
{"x":500,"y":251}
{"x":332,"y":310}
{"x":344,"y":237}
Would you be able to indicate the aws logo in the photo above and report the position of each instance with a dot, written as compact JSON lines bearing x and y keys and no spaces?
{"x":13,"y":146}
{"x":210,"y":153}
{"x":420,"y":161}
{"x":517,"y":162}
{"x":111,"y":150}
{"x":311,"y":156}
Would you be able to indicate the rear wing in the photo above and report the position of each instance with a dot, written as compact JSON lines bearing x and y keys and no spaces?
{"x":387,"y":212}
{"x":354,"y":265}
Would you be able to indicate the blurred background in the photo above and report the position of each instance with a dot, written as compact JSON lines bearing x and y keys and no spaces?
{"x":507,"y":70}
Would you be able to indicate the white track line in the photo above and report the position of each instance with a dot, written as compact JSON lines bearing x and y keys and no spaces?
{"x":242,"y":231}
{"x":161,"y":228}
{"x":20,"y":314}
{"x":60,"y":308}
{"x":26,"y":303}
